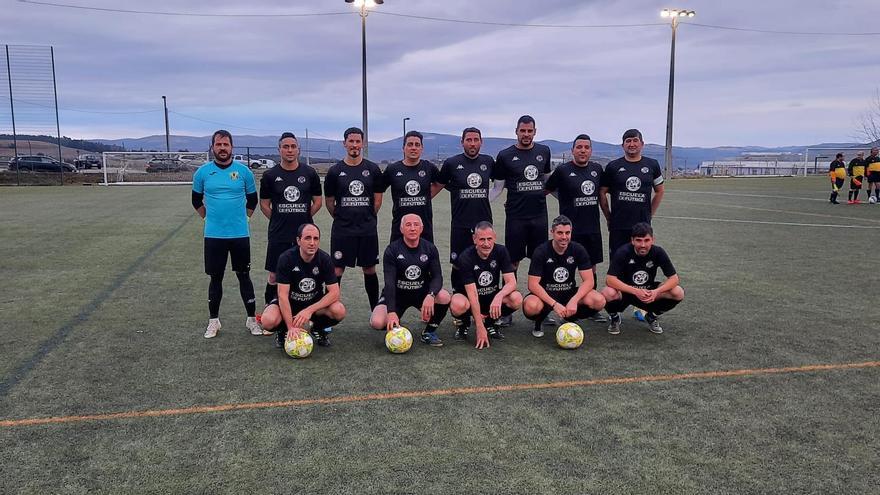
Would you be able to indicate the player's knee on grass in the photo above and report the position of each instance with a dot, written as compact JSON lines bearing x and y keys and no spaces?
{"x":594,"y":300}
{"x":459,"y":305}
{"x":532,"y":306}
{"x":271,"y":317}
{"x":513,"y":300}
{"x":379,"y":317}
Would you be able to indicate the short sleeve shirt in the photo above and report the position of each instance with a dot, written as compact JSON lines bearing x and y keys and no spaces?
{"x":291,"y":193}
{"x":467,"y":180}
{"x":640,"y":271}
{"x":352,"y":188}
{"x":558,"y":272}
{"x":487,"y":273}
{"x":225,"y":193}
{"x":308,"y":280}
{"x":578,"y":191}
{"x":631,"y":185}
{"x":411,"y":189}
{"x":522,"y":171}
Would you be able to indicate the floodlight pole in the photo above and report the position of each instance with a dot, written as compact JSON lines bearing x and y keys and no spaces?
{"x":57,"y":120}
{"x":11,"y":103}
{"x":404,"y":129}
{"x":167,"y":132}
{"x":674,"y":14}
{"x":364,"y":75}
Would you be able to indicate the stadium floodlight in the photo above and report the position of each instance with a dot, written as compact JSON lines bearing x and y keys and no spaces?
{"x":673,"y":14}
{"x":364,"y":6}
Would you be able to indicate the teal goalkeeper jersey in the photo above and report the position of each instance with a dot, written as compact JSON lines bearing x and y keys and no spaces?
{"x":225,"y":191}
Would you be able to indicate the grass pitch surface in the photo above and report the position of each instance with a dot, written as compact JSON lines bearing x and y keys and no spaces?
{"x":104,"y":305}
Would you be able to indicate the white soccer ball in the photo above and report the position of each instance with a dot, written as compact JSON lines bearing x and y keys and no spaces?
{"x":569,"y":336}
{"x":872,"y":199}
{"x":301,"y":347}
{"x":398,"y":340}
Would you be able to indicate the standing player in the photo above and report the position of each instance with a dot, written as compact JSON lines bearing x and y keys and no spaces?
{"x":290,"y":195}
{"x":552,"y":283}
{"x":630,"y":180}
{"x":488,"y":287}
{"x":413,"y":279}
{"x":308,"y":291}
{"x":225,"y":195}
{"x":837,"y":173}
{"x":856,"y":172}
{"x":413,"y":184}
{"x":872,"y":171}
{"x":576,"y":184}
{"x":466,"y":176}
{"x":631,"y":280}
{"x":353,"y":188}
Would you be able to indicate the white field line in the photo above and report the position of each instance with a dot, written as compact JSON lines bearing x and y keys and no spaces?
{"x":761,"y":222}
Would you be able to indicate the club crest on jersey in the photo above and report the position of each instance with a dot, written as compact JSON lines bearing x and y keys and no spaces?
{"x":233,"y":175}
{"x":633,"y":184}
{"x":365,"y":173}
{"x":412,"y":188}
{"x":531,"y":172}
{"x":412,"y":272}
{"x":453,"y":255}
{"x":593,"y":173}
{"x":539,"y":158}
{"x":493,"y":264}
{"x":356,"y":187}
{"x":474,"y":180}
{"x":644,"y":170}
{"x":315,"y":271}
{"x":640,"y":277}
{"x":338,"y":255}
{"x":570,"y":260}
{"x":560,"y":275}
{"x":485,"y":279}
{"x":423,"y":258}
{"x":588,"y":188}
{"x":421,"y":173}
{"x":483,"y":167}
{"x":291,"y":193}
{"x":301,"y":179}
{"x":307,"y":285}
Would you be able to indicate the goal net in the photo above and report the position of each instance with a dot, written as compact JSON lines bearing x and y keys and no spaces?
{"x":150,"y":168}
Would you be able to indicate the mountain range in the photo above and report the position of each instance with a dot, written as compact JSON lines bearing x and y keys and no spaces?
{"x":444,"y":145}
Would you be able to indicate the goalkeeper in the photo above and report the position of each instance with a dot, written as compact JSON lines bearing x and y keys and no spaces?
{"x":856,"y":172}
{"x":837,"y":173}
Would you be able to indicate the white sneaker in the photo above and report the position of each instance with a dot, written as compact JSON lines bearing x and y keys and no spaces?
{"x":537,"y":332}
{"x":213,"y":327}
{"x":255,"y":327}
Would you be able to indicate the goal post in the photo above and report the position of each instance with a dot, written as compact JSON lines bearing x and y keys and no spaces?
{"x":823,"y":155}
{"x":144,"y":168}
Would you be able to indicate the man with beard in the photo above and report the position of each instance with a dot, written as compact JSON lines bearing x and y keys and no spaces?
{"x":225,"y":195}
{"x":552,"y":284}
{"x":308,"y":291}
{"x":631,"y":280}
{"x":290,"y":195}
{"x":630,"y":180}
{"x":413,"y":279}
{"x":353,"y":190}
{"x":412,"y":182}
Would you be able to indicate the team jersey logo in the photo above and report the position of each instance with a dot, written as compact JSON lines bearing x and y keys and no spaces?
{"x":338,"y":255}
{"x":365,"y":173}
{"x":588,"y":188}
{"x":493,"y":264}
{"x":485,"y":279}
{"x":301,"y":179}
{"x":412,"y":188}
{"x":453,"y":255}
{"x":233,"y":175}
{"x":560,"y":275}
{"x":593,"y":173}
{"x":474,"y":180}
{"x":649,"y":264}
{"x":412,"y":272}
{"x":640,"y":277}
{"x":539,"y":158}
{"x":483,"y":167}
{"x":644,"y":170}
{"x":315,"y":270}
{"x":307,"y":285}
{"x":421,"y":173}
{"x":423,"y":258}
{"x":633,"y":184}
{"x":570,"y":260}
{"x":291,"y":194}
{"x":356,"y":187}
{"x":531,"y":172}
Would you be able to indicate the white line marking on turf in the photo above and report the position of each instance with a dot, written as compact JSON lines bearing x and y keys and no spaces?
{"x":793,"y":224}
{"x":745,"y":195}
{"x":805,"y":213}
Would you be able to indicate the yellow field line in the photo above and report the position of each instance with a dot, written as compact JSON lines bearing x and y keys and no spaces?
{"x":155,"y":413}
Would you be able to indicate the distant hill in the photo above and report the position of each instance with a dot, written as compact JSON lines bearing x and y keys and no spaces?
{"x":445,"y":145}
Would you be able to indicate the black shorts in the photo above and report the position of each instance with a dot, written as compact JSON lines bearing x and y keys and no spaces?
{"x":273,"y":252}
{"x":838,"y":182}
{"x":427,"y":233}
{"x":459,"y":239}
{"x":853,"y":185}
{"x":617,"y":238}
{"x":521,"y":237}
{"x":873,"y":177}
{"x":485,"y":301}
{"x":352,"y":251}
{"x":593,"y":244}
{"x":295,"y":306}
{"x":405,"y":300}
{"x":218,"y":251}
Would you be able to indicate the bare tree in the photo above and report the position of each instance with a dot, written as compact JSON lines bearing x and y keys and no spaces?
{"x":869,"y":121}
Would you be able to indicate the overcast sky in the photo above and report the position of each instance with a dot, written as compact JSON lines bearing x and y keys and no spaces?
{"x":263,"y":75}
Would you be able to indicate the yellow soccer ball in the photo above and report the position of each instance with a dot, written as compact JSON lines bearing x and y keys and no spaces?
{"x":301,"y":347}
{"x":398,"y":340}
{"x":569,"y":336}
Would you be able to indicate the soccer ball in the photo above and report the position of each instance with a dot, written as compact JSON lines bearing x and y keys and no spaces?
{"x":398,"y":340}
{"x":872,"y":199}
{"x":569,"y":336}
{"x":301,"y":347}
{"x":639,"y":314}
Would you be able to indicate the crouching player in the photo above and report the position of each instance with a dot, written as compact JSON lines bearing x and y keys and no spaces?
{"x":482,"y":266}
{"x":552,"y":284}
{"x":413,"y":279}
{"x":308,"y":291}
{"x":631,"y":280}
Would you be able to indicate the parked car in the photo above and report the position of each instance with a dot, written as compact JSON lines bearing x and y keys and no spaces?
{"x":159,"y":164}
{"x":255,"y":162}
{"x":87,"y":161}
{"x":40,"y":164}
